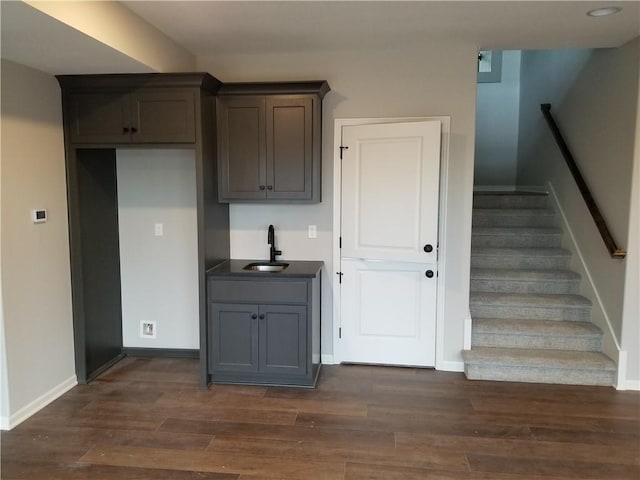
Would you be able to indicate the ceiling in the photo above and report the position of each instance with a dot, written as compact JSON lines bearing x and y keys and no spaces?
{"x":209,"y":28}
{"x":233,"y":27}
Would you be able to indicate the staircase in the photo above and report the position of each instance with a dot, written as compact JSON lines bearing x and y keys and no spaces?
{"x":529,"y":322}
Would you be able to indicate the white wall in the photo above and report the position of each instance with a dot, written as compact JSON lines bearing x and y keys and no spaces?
{"x":594,"y":97}
{"x":159,"y":274}
{"x":497,"y":112}
{"x":428,"y":80}
{"x":36,"y":285}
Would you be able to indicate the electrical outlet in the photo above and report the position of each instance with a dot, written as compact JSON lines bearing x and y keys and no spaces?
{"x":148,"y":329}
{"x":312,"y":231}
{"x":159,"y":230}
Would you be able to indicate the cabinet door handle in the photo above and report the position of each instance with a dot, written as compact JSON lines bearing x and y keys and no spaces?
{"x":269,"y":187}
{"x":261,"y":316}
{"x":134,"y":130}
{"x":429,"y":273}
{"x":254,"y":316}
{"x":125,"y":130}
{"x":262,"y":187}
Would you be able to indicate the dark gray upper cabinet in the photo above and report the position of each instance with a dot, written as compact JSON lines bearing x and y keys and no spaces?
{"x":269,"y":142}
{"x":105,"y":110}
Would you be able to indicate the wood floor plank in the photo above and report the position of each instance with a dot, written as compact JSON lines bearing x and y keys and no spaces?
{"x":563,"y":468}
{"x":417,"y":423}
{"x":210,"y":410}
{"x":354,"y":452}
{"x":211,"y":462}
{"x":573,"y":423}
{"x":318,"y":436}
{"x":521,"y":448}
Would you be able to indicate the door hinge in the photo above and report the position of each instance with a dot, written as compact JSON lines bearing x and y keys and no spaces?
{"x":340,"y":332}
{"x":341,"y":149}
{"x":340,"y":242}
{"x":339,"y":276}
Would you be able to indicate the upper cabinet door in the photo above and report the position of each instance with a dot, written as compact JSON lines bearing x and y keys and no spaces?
{"x":289,"y":147}
{"x":241,"y":148}
{"x":163,"y":117}
{"x":99,"y":118}
{"x":140,"y":117}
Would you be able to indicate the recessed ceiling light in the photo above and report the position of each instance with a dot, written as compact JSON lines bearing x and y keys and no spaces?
{"x":603,"y":12}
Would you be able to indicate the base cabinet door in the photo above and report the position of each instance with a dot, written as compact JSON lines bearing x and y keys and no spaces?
{"x":233,"y":338}
{"x":283,"y":339}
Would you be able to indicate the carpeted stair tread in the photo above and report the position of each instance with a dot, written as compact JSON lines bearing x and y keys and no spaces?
{"x":523,"y":357}
{"x":524,"y":274}
{"x":534,"y":327}
{"x":520,"y":252}
{"x":517,"y":231}
{"x":509,"y":200}
{"x":517,"y":217}
{"x":529,"y":299}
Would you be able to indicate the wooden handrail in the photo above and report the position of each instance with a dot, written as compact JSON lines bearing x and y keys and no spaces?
{"x":614,"y":251}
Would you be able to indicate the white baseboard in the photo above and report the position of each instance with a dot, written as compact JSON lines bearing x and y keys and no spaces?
{"x":629,"y":385}
{"x":327,"y":359}
{"x":449,"y":366}
{"x":37,"y":404}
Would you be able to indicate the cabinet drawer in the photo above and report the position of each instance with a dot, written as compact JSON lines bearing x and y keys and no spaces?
{"x":256,"y":291}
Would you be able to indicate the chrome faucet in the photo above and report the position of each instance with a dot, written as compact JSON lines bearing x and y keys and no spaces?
{"x":272,"y":245}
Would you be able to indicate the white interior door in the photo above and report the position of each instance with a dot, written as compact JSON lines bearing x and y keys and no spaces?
{"x":390,"y":191}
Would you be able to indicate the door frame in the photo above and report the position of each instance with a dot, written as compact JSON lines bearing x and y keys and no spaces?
{"x":338,"y":123}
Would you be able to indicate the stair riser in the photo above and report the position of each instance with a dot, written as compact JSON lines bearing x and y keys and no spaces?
{"x":509,"y":201}
{"x":539,"y":375}
{"x":516,"y":241}
{"x":515,"y":286}
{"x":528,"y":220}
{"x":563,"y":342}
{"x":573,"y":314}
{"x":521,"y":262}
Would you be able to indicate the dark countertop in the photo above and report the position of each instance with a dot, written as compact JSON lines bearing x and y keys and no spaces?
{"x":296,"y":268}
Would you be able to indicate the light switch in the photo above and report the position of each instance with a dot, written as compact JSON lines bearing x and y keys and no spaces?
{"x":159,"y":230}
{"x":312,"y":231}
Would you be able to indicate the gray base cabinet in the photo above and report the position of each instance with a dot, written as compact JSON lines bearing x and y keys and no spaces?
{"x":264,"y":331}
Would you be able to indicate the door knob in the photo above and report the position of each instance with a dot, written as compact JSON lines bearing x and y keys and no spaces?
{"x":262,"y":187}
{"x":429,"y":273}
{"x":254,"y":316}
{"x":428,"y":248}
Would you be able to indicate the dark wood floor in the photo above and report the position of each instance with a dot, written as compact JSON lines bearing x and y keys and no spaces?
{"x":146,"y":419}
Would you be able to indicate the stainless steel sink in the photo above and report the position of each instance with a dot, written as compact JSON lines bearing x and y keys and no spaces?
{"x":266,"y":266}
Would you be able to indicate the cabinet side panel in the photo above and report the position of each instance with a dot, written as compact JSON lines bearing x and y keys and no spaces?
{"x":98,"y":213}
